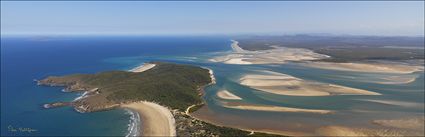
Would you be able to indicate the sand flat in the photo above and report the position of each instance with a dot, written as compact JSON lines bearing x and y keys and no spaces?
{"x":387,"y":79}
{"x":278,"y":83}
{"x":414,"y":123}
{"x":278,"y":55}
{"x":396,"y":103}
{"x":237,"y":61}
{"x":157,"y":120}
{"x":397,"y":79}
{"x":335,"y":130}
{"x":366,"y":67}
{"x":224,"y":94}
{"x":143,"y":67}
{"x":245,"y":106}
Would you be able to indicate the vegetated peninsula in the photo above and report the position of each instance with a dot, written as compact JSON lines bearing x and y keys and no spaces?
{"x":159,"y":87}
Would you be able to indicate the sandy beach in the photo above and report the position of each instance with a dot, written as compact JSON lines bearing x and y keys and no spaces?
{"x":157,"y":120}
{"x":245,"y":106}
{"x":282,"y":84}
{"x":278,"y":55}
{"x":366,"y":67}
{"x":224,"y":94}
{"x":236,"y":47}
{"x":144,"y":67}
{"x":211,"y":75}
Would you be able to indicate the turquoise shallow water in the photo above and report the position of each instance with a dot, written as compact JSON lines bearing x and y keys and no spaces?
{"x":24,"y":60}
{"x":351,"y":110}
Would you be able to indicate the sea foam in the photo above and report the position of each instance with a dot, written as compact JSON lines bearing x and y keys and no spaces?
{"x":134,"y":124}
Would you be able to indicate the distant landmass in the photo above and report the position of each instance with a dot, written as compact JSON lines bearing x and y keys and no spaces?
{"x":343,"y":48}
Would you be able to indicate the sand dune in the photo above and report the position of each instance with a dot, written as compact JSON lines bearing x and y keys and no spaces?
{"x":143,"y":67}
{"x":157,"y":120}
{"x":245,"y":106}
{"x":366,"y":67}
{"x":278,"y":83}
{"x":224,"y":94}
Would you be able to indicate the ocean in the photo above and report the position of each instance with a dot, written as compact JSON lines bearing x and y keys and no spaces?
{"x":24,"y":59}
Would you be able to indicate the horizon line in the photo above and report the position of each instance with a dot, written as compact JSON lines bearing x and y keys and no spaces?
{"x":200,"y":34}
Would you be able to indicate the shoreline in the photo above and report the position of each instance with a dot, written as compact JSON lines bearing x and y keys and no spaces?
{"x":146,"y":112}
{"x":157,"y":119}
{"x":153,"y":115}
{"x":211,"y":76}
{"x":135,"y":123}
{"x":143,"y":67}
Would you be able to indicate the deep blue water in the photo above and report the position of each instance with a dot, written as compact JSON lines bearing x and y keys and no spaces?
{"x":26,"y":58}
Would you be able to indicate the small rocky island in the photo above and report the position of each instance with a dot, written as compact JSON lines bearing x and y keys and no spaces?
{"x":175,"y":86}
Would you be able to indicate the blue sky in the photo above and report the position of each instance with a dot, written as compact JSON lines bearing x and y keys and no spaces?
{"x":232,"y":17}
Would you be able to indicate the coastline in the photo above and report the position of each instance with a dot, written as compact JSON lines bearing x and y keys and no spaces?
{"x":134,"y":123}
{"x":211,"y":76}
{"x":147,"y":118}
{"x":143,"y":67}
{"x":157,"y":120}
{"x":154,"y":116}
